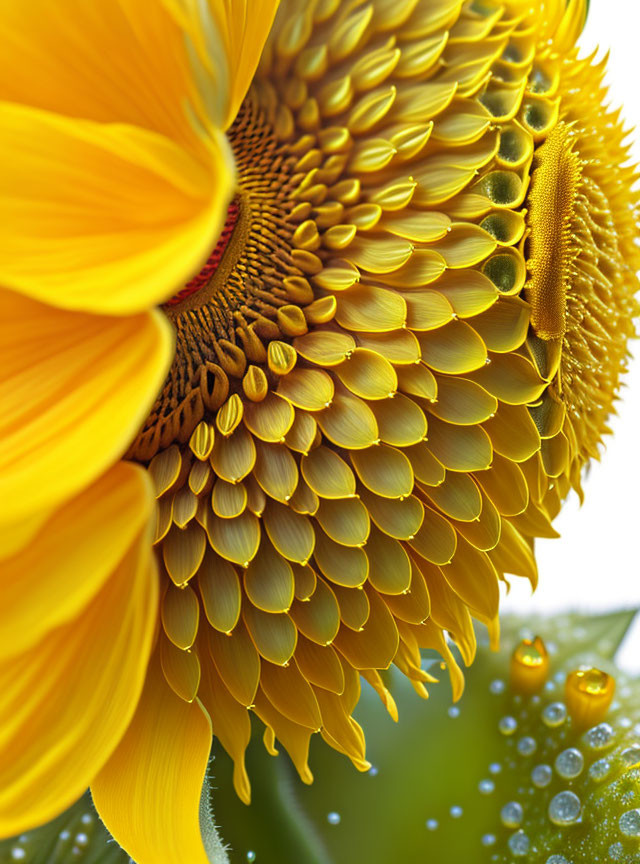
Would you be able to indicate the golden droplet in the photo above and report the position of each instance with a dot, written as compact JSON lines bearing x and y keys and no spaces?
{"x":529,"y":666}
{"x":588,"y":694}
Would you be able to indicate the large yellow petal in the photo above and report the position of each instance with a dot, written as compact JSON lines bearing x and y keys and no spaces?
{"x":114,"y":61}
{"x":74,"y":390}
{"x":226,"y":40}
{"x":104,"y":218}
{"x":148,"y":793}
{"x":71,"y":556}
{"x":244,"y":26}
{"x":66,"y":701}
{"x":16,"y":534}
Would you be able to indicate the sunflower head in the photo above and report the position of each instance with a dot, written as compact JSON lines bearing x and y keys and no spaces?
{"x":396,"y":361}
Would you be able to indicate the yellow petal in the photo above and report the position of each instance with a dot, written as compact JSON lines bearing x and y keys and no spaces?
{"x":268,"y":580}
{"x":571,"y":25}
{"x":104,"y":218}
{"x":220,"y":592}
{"x":291,"y":533}
{"x":349,"y":422}
{"x":354,"y":606}
{"x":148,"y":793}
{"x":231,"y":725}
{"x":66,"y":701}
{"x":401,"y":421}
{"x":74,"y":390}
{"x":318,"y":617}
{"x":346,"y":521}
{"x":71,"y":556}
{"x":367,"y":374}
{"x":344,"y":565}
{"x":236,"y":659}
{"x":244,"y":26}
{"x":273,"y":634}
{"x":327,"y":474}
{"x":113,"y":62}
{"x":15,"y":535}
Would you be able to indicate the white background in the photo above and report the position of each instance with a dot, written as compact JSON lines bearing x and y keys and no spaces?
{"x":595,"y":565}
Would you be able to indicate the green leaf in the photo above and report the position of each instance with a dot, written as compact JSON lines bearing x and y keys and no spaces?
{"x":605,"y":633}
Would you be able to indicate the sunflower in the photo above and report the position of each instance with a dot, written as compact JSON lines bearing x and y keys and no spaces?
{"x":401,"y":350}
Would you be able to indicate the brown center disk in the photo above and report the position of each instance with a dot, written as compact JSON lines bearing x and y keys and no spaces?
{"x":228,"y":313}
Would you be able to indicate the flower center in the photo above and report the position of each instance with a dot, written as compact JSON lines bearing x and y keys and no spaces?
{"x":241,"y":300}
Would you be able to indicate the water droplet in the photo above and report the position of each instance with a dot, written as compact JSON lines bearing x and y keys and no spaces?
{"x":527,"y":746}
{"x":333,"y":818}
{"x":507,"y":725}
{"x":631,"y":756}
{"x":488,"y":840}
{"x":87,"y":819}
{"x":569,"y":763}
{"x":373,"y":771}
{"x":432,"y":824}
{"x":529,"y":668}
{"x":592,"y":681}
{"x":554,"y":714}
{"x":495,"y":768}
{"x":599,"y":737}
{"x":486,"y":787}
{"x":251,"y":856}
{"x":564,"y":808}
{"x":616,"y":851}
{"x":541,"y":776}
{"x":599,"y":770}
{"x":18,"y":853}
{"x":625,"y":723}
{"x":81,"y":839}
{"x":498,"y":686}
{"x":531,"y":652}
{"x":453,"y":711}
{"x":629,"y":823}
{"x":64,"y":835}
{"x":511,"y":815}
{"x":455,"y":811}
{"x":557,"y":859}
{"x":519,"y":844}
